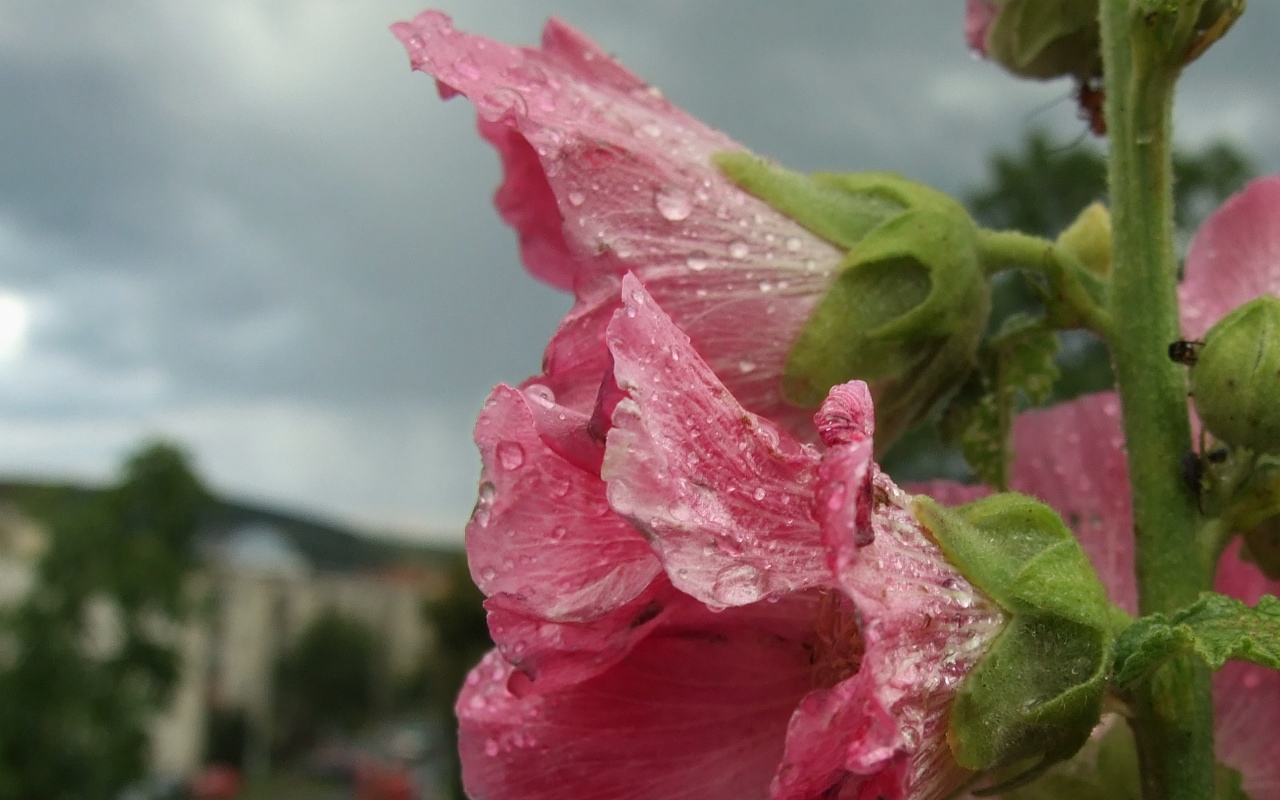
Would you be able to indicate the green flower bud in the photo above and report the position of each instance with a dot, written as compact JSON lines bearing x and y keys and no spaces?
{"x":1236,"y":379}
{"x":1046,"y":38}
{"x":909,"y":305}
{"x":1038,"y":691}
{"x":1089,"y":239}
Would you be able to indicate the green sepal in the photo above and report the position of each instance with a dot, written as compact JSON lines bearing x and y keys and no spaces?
{"x":1046,"y":38}
{"x":821,"y":205}
{"x":1038,"y":691}
{"x":1215,"y":627}
{"x":908,"y":304}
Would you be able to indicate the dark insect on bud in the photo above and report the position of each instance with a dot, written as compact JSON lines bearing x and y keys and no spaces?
{"x":1091,"y":97}
{"x":1185,"y":352}
{"x":1192,"y":469}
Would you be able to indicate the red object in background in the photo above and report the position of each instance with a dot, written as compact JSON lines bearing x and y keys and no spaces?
{"x":376,"y":781}
{"x":216,"y":782}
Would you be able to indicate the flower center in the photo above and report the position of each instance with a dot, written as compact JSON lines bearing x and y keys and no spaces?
{"x":837,"y":650}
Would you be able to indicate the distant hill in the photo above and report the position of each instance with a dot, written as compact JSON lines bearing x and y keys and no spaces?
{"x":326,"y":545}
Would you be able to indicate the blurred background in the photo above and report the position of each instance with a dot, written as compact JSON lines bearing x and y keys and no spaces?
{"x":252,"y":293}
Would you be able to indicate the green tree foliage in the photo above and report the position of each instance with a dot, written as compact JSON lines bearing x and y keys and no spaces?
{"x":1042,"y":186}
{"x":326,"y":682}
{"x":92,"y":653}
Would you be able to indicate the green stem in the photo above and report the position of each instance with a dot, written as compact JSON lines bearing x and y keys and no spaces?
{"x":1078,"y":294}
{"x":1173,"y":721}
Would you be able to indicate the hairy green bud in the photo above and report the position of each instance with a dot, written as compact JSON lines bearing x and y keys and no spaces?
{"x":1236,"y":378}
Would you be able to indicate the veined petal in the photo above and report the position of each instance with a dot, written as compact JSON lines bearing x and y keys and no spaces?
{"x":695,"y":711}
{"x":723,"y":495}
{"x":542,"y":531}
{"x":923,"y":628}
{"x":1234,"y":257}
{"x":604,"y":176}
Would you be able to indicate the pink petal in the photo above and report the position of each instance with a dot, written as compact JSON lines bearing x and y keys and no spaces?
{"x":604,"y":176}
{"x":722,"y":494}
{"x":978,"y":16}
{"x":1246,"y":698}
{"x":1234,"y":257}
{"x":551,"y":656}
{"x":1071,"y":456}
{"x":542,"y":531}
{"x":923,"y":629}
{"x":576,"y":359}
{"x":696,"y":711}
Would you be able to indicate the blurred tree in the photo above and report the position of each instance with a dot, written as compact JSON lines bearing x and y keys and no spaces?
{"x":91,"y":653}
{"x":1041,"y":187}
{"x":462,"y":631}
{"x":326,"y":682}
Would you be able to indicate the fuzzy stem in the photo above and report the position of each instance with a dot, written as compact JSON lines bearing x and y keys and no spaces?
{"x":1142,"y":56}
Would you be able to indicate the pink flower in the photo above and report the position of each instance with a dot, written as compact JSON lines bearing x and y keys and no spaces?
{"x":603,"y":176}
{"x":1071,"y":456}
{"x":689,"y":603}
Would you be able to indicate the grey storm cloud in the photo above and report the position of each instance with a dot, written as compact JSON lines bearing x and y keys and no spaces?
{"x":247,"y":224}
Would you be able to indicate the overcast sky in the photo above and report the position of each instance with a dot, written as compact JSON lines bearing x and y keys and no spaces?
{"x":247,"y":225}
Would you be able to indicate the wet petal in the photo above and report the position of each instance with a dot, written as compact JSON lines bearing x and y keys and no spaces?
{"x":542,"y":531}
{"x":1234,"y":257}
{"x":723,"y":495}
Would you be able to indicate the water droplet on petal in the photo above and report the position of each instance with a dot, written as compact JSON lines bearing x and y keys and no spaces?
{"x":738,"y":585}
{"x":758,"y":494}
{"x":509,"y":101}
{"x":673,"y":203}
{"x":746,"y":366}
{"x":739,"y":249}
{"x":510,"y":455}
{"x":577,"y":198}
{"x":467,"y":68}
{"x":491,"y":748}
{"x":697,"y":261}
{"x":652,"y":129}
{"x":488,"y":573}
{"x":793,"y":243}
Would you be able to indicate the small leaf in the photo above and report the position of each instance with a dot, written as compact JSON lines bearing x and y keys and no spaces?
{"x":1216,"y":627}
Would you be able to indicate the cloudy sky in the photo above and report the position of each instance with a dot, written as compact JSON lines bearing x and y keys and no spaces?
{"x":247,"y":225}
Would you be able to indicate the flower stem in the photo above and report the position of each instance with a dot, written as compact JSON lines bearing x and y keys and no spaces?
{"x":1142,"y":56}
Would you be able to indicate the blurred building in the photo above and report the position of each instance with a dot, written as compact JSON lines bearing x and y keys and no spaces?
{"x":257,"y":589}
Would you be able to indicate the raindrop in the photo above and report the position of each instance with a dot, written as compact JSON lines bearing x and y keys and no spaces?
{"x":793,"y":244}
{"x":510,"y":455}
{"x":558,"y":533}
{"x":697,"y":261}
{"x":467,"y":68}
{"x":746,"y":367}
{"x":758,"y":494}
{"x":509,"y":101}
{"x":541,"y":394}
{"x":738,"y":585}
{"x":673,"y":203}
{"x":739,"y":249}
{"x":577,"y":198}
{"x":488,"y":573}
{"x":652,"y":129}
{"x":491,"y":748}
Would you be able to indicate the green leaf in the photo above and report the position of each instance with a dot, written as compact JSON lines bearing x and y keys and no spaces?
{"x":1216,"y":627}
